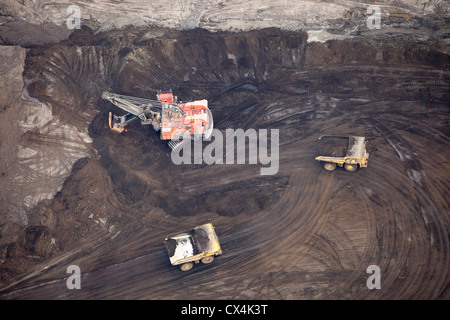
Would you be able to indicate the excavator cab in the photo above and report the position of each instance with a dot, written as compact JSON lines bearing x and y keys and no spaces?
{"x":166,"y":97}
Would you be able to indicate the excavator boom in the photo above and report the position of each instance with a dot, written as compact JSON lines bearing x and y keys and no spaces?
{"x":138,"y":107}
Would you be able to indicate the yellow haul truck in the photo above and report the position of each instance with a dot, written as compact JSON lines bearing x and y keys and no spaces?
{"x":348,"y":152}
{"x":198,"y":244}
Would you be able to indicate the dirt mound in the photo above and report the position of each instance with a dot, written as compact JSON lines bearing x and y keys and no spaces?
{"x":67,"y":221}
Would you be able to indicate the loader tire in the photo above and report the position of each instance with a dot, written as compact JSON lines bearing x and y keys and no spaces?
{"x":350,"y":167}
{"x":329,"y":166}
{"x":186,"y":266}
{"x":208,"y":259}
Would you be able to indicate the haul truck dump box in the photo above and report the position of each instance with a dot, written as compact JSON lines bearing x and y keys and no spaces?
{"x":189,"y":247}
{"x":348,"y":152}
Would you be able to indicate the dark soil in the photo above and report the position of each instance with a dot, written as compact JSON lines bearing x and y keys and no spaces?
{"x":387,"y":91}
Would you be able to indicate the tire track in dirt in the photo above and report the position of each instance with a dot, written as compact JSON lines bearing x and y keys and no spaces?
{"x":414,"y":260}
{"x":304,"y":214}
{"x":319,"y":237}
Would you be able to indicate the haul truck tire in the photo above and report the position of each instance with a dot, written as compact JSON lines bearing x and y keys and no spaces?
{"x":350,"y":167}
{"x":329,"y":166}
{"x":186,"y":266}
{"x":208,"y":259}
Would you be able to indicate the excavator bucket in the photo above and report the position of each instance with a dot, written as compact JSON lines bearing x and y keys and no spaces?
{"x":114,"y":125}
